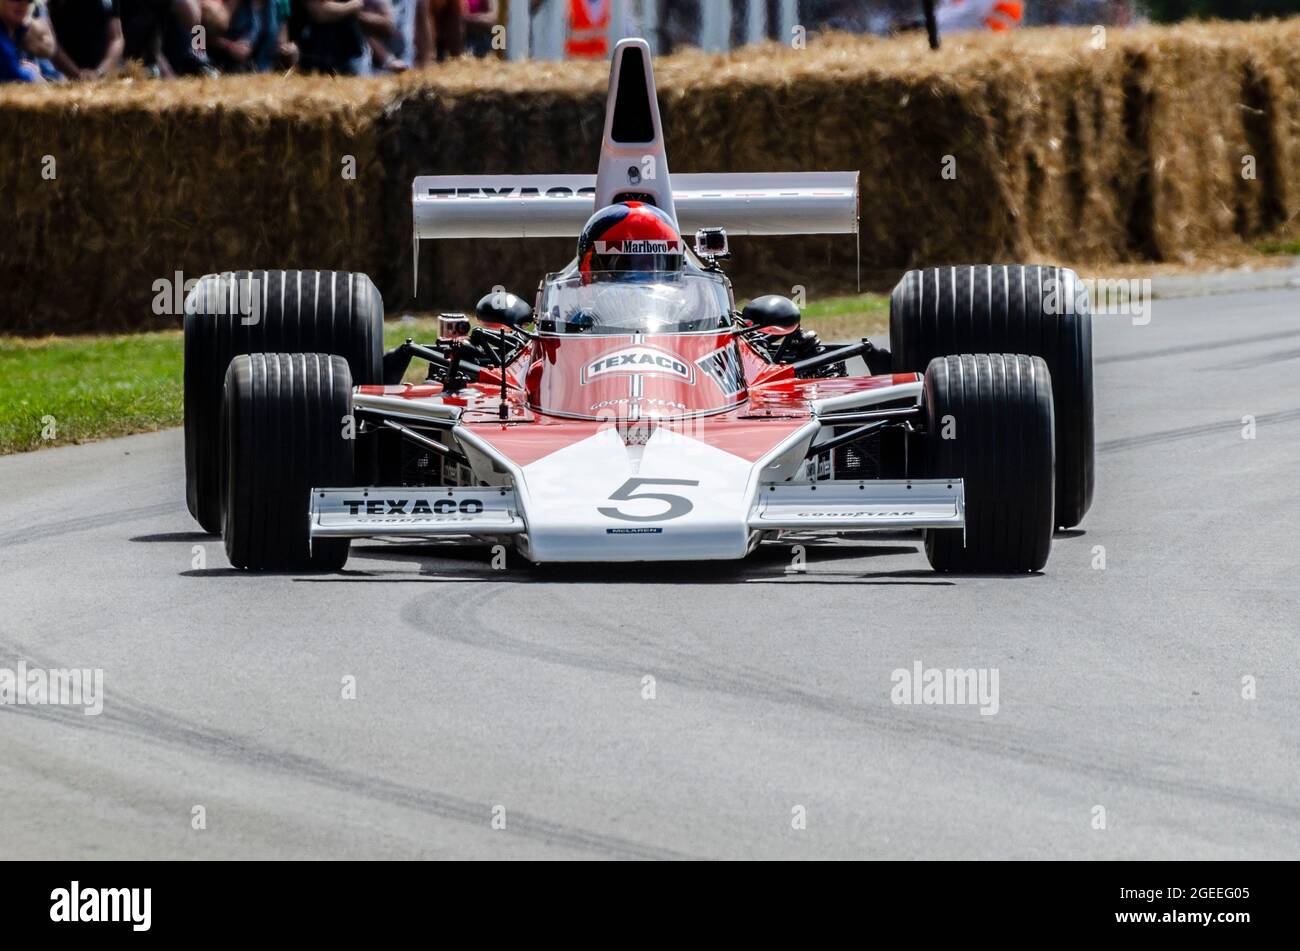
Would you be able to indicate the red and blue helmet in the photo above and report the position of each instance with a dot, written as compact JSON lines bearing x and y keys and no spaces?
{"x":630,"y":238}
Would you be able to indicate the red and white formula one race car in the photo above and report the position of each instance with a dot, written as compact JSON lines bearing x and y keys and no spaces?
{"x":630,"y":414}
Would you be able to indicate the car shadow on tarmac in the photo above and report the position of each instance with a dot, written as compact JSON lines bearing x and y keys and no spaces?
{"x":789,"y":561}
{"x":770,"y":564}
{"x":177,"y":537}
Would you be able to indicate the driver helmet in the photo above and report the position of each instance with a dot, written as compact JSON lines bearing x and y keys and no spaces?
{"x":631,"y":238}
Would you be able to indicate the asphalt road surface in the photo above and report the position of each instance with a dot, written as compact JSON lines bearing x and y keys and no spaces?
{"x":521,"y":695}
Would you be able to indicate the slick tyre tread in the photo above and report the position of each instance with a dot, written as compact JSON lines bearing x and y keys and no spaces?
{"x":997,"y":409}
{"x":282,"y":425}
{"x":1035,"y":310}
{"x":332,"y":312}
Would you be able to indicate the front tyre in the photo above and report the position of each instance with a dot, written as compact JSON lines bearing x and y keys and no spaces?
{"x":989,"y":422}
{"x":286,"y":425}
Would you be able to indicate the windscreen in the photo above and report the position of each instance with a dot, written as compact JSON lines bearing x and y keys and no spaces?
{"x":634,"y":302}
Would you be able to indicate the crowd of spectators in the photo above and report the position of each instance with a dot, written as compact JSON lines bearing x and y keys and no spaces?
{"x":85,"y":39}
{"x":680,"y":19}
{"x":56,"y":40}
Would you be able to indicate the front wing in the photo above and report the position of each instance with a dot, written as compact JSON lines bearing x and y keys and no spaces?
{"x":573,"y":536}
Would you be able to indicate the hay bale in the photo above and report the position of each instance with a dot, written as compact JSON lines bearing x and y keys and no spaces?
{"x":191,"y":176}
{"x":1128,"y":153}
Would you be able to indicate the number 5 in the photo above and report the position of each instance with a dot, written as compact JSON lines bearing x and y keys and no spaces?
{"x":677,"y":505}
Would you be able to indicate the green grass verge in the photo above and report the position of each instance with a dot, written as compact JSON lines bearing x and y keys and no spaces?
{"x":1279,"y":247}
{"x":848,"y":318}
{"x":70,"y":389}
{"x":60,"y":390}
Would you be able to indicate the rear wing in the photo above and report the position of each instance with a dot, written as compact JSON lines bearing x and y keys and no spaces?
{"x":557,"y":206}
{"x":633,"y":166}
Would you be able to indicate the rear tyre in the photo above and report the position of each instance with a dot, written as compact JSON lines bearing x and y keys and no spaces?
{"x":266,"y":312}
{"x":283,"y":421}
{"x":1040,"y":311}
{"x":989,"y":422}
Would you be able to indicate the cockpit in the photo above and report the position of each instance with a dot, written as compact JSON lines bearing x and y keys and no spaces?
{"x":635,"y":302}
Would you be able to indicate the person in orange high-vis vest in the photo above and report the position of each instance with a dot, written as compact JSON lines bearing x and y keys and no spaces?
{"x":955,"y":16}
{"x":588,"y":29}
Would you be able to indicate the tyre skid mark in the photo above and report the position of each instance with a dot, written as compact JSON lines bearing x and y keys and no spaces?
{"x":84,"y":523}
{"x":480,"y":626}
{"x":128,"y":718}
{"x":1192,"y":432}
{"x":1186,"y":348}
{"x":1254,"y":363}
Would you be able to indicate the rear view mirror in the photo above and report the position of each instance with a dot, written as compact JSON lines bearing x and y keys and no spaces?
{"x":773,"y":314}
{"x":503,"y":309}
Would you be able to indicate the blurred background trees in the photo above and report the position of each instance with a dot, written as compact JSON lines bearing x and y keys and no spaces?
{"x":1170,"y":10}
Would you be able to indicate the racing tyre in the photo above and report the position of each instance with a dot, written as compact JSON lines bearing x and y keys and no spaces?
{"x":989,"y":422}
{"x":266,"y":312}
{"x":282,"y":425}
{"x":1040,"y":311}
